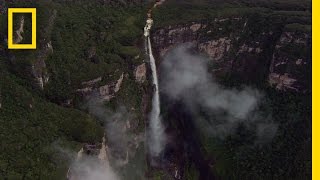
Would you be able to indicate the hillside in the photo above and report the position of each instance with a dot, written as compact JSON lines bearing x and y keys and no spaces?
{"x":85,"y":93}
{"x":42,"y":91}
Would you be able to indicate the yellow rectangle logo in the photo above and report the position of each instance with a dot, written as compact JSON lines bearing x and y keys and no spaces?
{"x":11,"y":44}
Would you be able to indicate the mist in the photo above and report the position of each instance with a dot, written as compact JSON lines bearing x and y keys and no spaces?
{"x":156,"y":141}
{"x":84,"y":167}
{"x":123,"y":142}
{"x":185,"y":77}
{"x":90,"y":168}
{"x":118,"y":146}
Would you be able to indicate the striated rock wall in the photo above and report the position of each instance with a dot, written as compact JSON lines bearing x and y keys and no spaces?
{"x":105,"y":92}
{"x":248,"y":48}
{"x":39,"y":68}
{"x":140,"y":73}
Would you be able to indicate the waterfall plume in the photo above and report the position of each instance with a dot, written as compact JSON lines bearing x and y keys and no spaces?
{"x":156,"y":131}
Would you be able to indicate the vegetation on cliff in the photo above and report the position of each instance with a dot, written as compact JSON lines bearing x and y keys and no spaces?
{"x":90,"y":39}
{"x":240,"y":156}
{"x":287,"y":156}
{"x":289,"y":11}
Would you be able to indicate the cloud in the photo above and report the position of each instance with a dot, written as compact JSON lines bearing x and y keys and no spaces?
{"x":156,"y":135}
{"x":121,"y":139}
{"x":185,"y":76}
{"x":85,"y":167}
{"x":91,"y":168}
{"x":122,"y":143}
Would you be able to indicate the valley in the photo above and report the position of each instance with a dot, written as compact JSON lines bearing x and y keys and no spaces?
{"x":180,"y":90}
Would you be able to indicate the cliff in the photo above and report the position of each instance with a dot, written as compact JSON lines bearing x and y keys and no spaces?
{"x":236,"y":46}
{"x":256,"y":47}
{"x":261,"y":44}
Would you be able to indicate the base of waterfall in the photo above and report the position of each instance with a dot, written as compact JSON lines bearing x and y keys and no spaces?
{"x":156,"y":136}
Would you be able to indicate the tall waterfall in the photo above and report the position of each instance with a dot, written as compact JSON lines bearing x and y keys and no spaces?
{"x":156,"y":131}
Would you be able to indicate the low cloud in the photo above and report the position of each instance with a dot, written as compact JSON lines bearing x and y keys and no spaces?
{"x":85,"y":167}
{"x":185,"y":77}
{"x":122,"y":141}
{"x":91,"y":168}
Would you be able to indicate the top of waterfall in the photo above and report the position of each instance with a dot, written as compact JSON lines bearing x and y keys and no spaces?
{"x":150,"y":21}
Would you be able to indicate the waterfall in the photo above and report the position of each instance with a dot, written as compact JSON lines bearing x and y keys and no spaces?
{"x":156,"y":141}
{"x":156,"y":138}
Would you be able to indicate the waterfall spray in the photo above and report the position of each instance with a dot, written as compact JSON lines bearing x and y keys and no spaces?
{"x":156,"y":128}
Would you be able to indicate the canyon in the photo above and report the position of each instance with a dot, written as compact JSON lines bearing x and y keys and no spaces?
{"x":96,"y":81}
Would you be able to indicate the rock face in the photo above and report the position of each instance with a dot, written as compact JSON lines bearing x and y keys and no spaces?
{"x":167,"y":37}
{"x":140,"y":73}
{"x":291,"y":61}
{"x":250,"y":49}
{"x":216,"y":49}
{"x":105,"y":92}
{"x":39,"y":68}
{"x":18,"y":33}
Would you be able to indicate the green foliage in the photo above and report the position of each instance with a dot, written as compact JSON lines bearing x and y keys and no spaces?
{"x":75,"y":28}
{"x":240,"y":156}
{"x":189,"y":11}
{"x":30,"y":127}
{"x":158,"y":175}
{"x":32,"y":124}
{"x":298,"y":27}
{"x":129,"y":51}
{"x":287,"y":156}
{"x":191,"y":173}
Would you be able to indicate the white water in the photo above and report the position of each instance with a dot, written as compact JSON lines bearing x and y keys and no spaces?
{"x":157,"y":136}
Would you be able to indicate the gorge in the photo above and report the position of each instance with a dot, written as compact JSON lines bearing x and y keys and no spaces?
{"x":208,"y":89}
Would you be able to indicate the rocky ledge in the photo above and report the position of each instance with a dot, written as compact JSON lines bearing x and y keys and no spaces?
{"x":252,"y":49}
